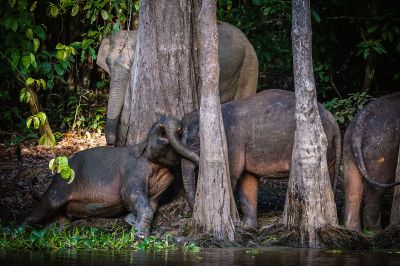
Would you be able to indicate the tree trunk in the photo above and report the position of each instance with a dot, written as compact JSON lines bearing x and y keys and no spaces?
{"x":215,"y":209}
{"x":395,"y":213}
{"x":35,"y":107}
{"x":162,"y":79}
{"x":309,"y":200}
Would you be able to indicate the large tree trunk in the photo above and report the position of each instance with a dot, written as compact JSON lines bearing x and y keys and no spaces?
{"x":309,"y":201}
{"x":215,"y":209}
{"x":162,"y":79}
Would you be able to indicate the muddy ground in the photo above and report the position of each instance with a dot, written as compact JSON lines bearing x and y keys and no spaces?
{"x":19,"y":174}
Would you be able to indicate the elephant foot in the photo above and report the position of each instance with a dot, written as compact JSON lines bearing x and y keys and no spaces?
{"x":251,"y":223}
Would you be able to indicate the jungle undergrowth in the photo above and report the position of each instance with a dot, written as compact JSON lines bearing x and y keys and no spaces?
{"x":57,"y":237}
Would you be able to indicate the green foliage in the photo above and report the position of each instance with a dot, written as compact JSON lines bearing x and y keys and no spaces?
{"x":60,"y":165}
{"x":55,"y":237}
{"x":38,"y":120}
{"x":344,"y":109}
{"x":191,"y":247}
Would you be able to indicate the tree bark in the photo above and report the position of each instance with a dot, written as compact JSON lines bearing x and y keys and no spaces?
{"x":162,"y":79}
{"x":215,"y":209}
{"x":395,"y":212}
{"x":309,"y":200}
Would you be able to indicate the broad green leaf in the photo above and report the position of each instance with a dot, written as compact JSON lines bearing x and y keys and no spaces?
{"x":315,"y":16}
{"x":104,"y":14}
{"x":36,"y":122}
{"x":29,"y":122}
{"x":29,"y":33}
{"x":52,"y":165}
{"x":46,"y":67}
{"x":61,"y":55}
{"x":15,"y":58}
{"x":12,"y":2}
{"x":26,"y":61}
{"x":115,"y":27}
{"x":60,"y":46}
{"x":32,"y":58}
{"x":372,"y":28}
{"x":54,"y":11}
{"x":40,"y":33}
{"x":50,"y":84}
{"x":74,"y":10}
{"x":62,"y":161}
{"x":36,"y":44}
{"x":42,"y":117}
{"x":29,"y":81}
{"x":59,"y":70}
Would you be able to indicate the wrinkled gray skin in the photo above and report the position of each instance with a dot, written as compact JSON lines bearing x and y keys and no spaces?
{"x":112,"y":182}
{"x":238,"y":69}
{"x":370,"y":153}
{"x":260,"y":134}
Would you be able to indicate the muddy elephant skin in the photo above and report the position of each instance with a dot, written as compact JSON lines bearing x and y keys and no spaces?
{"x":238,"y":69}
{"x":112,"y":181}
{"x":370,"y":154}
{"x":260,"y":134}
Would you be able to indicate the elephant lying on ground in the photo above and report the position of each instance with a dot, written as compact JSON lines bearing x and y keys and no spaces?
{"x":238,"y":69}
{"x":260,"y":134}
{"x":370,"y":153}
{"x":112,"y":181}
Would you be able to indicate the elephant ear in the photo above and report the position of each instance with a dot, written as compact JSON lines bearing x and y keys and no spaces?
{"x":102,"y":54}
{"x":138,"y":149}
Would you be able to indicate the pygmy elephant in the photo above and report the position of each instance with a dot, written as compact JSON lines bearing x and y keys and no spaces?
{"x":370,"y":154}
{"x":238,"y":69}
{"x":260,"y":134}
{"x":113,"y":181}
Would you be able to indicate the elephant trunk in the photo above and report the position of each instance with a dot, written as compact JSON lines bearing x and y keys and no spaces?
{"x":189,"y":181}
{"x":172,"y":133}
{"x":118,"y":85}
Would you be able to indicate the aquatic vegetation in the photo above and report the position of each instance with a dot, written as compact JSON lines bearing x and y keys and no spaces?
{"x":60,"y":237}
{"x":192,"y":247}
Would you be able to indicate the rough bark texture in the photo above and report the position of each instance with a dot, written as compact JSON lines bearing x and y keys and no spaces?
{"x":395,"y":212}
{"x":310,"y":202}
{"x":215,"y":209}
{"x":162,"y":79}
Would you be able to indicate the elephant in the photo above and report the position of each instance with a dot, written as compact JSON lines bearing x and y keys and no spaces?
{"x":370,"y":154}
{"x":260,"y":134}
{"x":238,"y":69}
{"x":113,"y":181}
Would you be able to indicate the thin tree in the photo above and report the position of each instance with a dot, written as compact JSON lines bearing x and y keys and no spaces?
{"x":310,"y":203}
{"x":215,"y":209}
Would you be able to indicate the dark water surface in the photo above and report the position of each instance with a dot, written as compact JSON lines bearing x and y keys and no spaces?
{"x":231,"y":256}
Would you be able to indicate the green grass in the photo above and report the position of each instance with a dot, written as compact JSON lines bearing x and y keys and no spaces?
{"x":55,"y":237}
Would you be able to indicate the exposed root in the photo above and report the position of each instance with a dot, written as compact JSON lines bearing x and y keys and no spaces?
{"x":388,"y":238}
{"x":209,"y":241}
{"x":338,"y":237}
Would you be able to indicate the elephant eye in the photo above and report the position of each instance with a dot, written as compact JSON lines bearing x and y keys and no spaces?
{"x":180,"y":131}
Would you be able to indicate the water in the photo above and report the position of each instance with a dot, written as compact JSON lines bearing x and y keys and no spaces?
{"x":231,"y":256}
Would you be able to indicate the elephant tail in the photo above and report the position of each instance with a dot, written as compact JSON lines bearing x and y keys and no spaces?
{"x":359,"y":157}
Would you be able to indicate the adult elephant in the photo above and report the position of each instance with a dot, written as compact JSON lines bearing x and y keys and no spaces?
{"x":260,"y":134}
{"x":237,"y":58}
{"x":370,"y":153}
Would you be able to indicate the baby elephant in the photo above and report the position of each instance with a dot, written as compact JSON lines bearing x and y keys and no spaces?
{"x":370,"y":154}
{"x":113,"y":181}
{"x":260,"y":134}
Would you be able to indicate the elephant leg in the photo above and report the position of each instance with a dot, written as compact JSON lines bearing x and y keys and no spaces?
{"x":353,"y":194}
{"x":372,"y":208}
{"x":248,"y":198}
{"x":137,"y":201}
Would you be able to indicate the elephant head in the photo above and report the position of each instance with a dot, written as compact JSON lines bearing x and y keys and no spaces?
{"x":189,"y":153}
{"x":115,"y":56}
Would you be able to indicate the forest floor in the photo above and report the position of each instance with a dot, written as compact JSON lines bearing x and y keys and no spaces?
{"x":18,"y":177}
